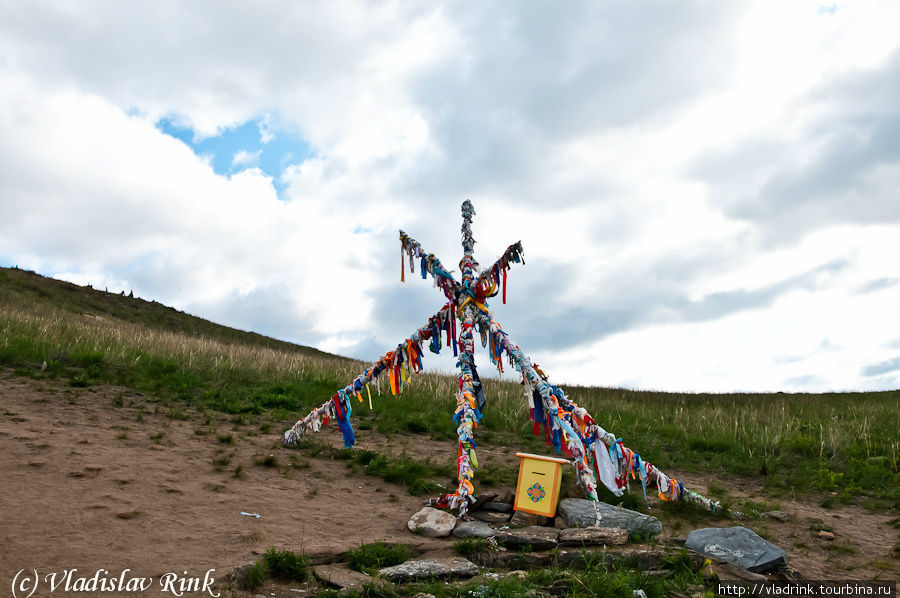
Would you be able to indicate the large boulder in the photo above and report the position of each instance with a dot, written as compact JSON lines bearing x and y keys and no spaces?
{"x":737,"y":545}
{"x":443,"y":568}
{"x":477,"y":529}
{"x":579,"y":512}
{"x":432,"y":522}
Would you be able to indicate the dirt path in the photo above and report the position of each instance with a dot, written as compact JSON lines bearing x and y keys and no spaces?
{"x":85,"y":484}
{"x":94,"y":478}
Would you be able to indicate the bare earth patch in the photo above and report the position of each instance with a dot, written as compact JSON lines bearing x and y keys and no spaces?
{"x":84,"y":484}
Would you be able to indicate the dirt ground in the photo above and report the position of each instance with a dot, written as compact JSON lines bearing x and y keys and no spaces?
{"x":93,"y":479}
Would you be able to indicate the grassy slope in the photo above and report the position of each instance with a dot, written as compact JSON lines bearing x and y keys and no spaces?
{"x":20,"y":288}
{"x":845,"y":443}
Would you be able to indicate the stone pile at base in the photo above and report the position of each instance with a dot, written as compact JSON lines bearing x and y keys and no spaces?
{"x":578,"y":522}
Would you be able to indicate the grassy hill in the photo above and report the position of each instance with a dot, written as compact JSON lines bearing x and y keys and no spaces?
{"x":24,"y":289}
{"x":844,"y":445}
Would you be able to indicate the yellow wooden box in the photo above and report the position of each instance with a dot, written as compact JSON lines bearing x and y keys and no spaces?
{"x":538,"y":489}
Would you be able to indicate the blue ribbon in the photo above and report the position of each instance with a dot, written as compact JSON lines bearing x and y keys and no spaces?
{"x":344,"y":419}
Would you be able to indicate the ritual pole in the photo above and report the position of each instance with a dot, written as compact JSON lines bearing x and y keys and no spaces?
{"x":466,"y":414}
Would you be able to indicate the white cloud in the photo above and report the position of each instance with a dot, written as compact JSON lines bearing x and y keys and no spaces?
{"x":243,"y":158}
{"x":645,"y":155}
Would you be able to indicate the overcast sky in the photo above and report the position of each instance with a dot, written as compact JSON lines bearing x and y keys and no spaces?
{"x":708,"y":193}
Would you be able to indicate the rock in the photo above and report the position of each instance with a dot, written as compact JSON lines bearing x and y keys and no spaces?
{"x":340,"y":577}
{"x":728,"y":572}
{"x":497,"y":507}
{"x":633,"y":558}
{"x":508,"y":559}
{"x":737,"y":545}
{"x":574,"y":536}
{"x":432,"y":523}
{"x":323,"y":556}
{"x":539,"y":538}
{"x":443,"y":568}
{"x":507,"y":495}
{"x":481,"y":499}
{"x":477,"y":529}
{"x":491,"y":517}
{"x":560,"y":587}
{"x":523,"y":519}
{"x":826,"y":535}
{"x":776,"y":515}
{"x":578,"y":512}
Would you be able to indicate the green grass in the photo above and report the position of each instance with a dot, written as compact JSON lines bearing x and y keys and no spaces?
{"x":256,"y":576}
{"x":466,"y":547}
{"x":369,"y":558}
{"x":284,"y":565}
{"x":280,"y":565}
{"x":844,"y":443}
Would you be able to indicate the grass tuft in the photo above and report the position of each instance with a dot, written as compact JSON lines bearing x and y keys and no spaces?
{"x":284,"y":565}
{"x":369,"y":558}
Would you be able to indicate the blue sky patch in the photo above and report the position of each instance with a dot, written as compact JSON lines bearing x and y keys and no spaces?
{"x":242,"y":147}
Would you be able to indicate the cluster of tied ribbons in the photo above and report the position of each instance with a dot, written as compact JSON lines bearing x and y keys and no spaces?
{"x":568,"y":427}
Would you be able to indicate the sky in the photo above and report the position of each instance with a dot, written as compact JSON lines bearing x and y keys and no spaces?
{"x":708,"y":193}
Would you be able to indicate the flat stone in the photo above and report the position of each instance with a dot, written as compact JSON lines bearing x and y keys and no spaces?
{"x":443,"y":568}
{"x":523,"y":519}
{"x":339,"y":577}
{"x":432,"y":523}
{"x":539,"y":538}
{"x":636,"y":558}
{"x":509,"y":559}
{"x":737,"y":545}
{"x":575,"y":536}
{"x":728,"y":572}
{"x":579,"y":512}
{"x":481,"y":499}
{"x":491,"y":517}
{"x":323,"y":556}
{"x":498,"y":507}
{"x":477,"y":529}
